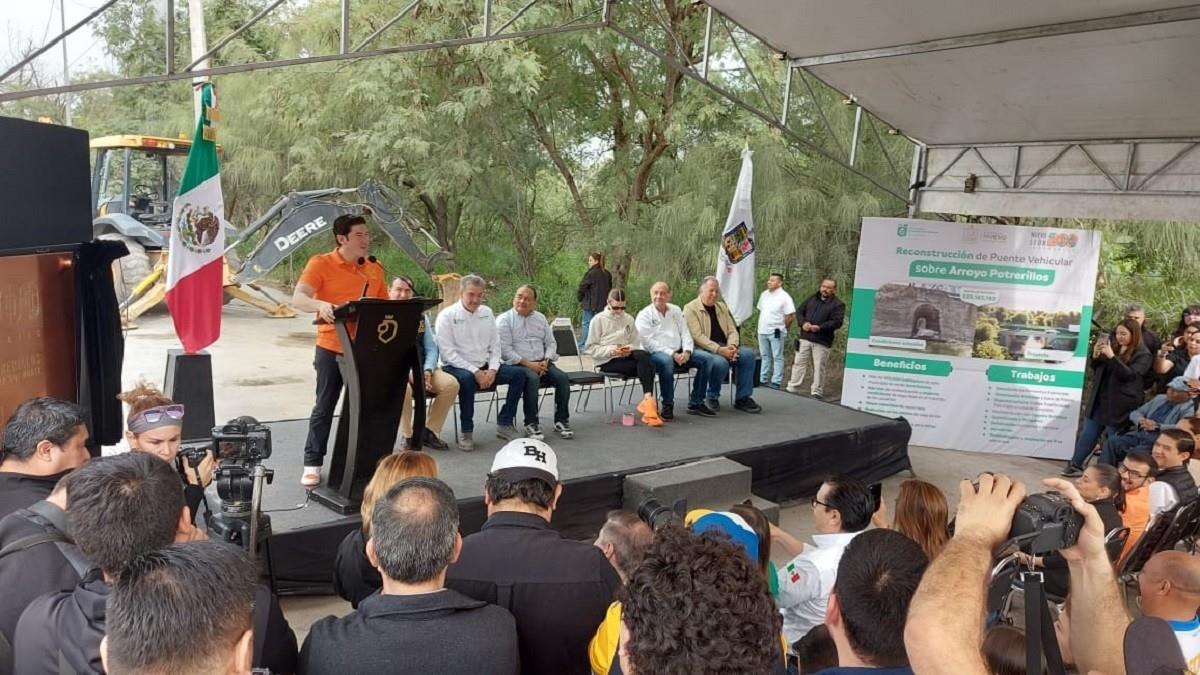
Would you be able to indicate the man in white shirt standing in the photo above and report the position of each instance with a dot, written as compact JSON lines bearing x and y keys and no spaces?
{"x":526,"y":340}
{"x":776,"y":312}
{"x":665,"y":335}
{"x":842,"y":509}
{"x":470,"y":346}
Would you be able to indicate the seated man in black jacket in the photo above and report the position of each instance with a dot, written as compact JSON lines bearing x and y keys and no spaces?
{"x":43,"y":440}
{"x":37,"y":556}
{"x":120,"y":507}
{"x":1172,"y":450}
{"x":415,"y":625}
{"x":557,"y":589}
{"x":183,"y":609}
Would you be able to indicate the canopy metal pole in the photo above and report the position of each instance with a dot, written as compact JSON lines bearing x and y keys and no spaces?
{"x":391,"y":22}
{"x":169,"y":27}
{"x":854,"y":136}
{"x":344,"y":36}
{"x":46,"y":47}
{"x":787,"y":101}
{"x":707,"y":41}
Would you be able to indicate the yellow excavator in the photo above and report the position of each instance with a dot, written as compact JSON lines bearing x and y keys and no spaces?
{"x":134,"y":179}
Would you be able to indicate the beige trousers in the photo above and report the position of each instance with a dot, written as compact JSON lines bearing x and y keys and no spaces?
{"x":444,"y":390}
{"x":818,"y":354}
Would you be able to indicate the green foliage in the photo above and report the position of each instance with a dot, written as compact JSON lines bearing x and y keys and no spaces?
{"x":521,"y":156}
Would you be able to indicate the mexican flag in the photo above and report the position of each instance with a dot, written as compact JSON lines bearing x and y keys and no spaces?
{"x":736,"y":252}
{"x":195,"y":267}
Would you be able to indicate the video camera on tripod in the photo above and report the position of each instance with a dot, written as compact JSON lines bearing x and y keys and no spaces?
{"x":239,"y":448}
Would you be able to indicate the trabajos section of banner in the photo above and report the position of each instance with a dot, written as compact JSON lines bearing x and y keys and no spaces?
{"x":976,"y":334}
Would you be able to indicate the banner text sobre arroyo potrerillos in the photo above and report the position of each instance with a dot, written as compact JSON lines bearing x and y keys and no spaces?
{"x":976,"y":334}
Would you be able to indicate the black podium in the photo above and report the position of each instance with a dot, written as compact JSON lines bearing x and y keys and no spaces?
{"x":381,"y":349}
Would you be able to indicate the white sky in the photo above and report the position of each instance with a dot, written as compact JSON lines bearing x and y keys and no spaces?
{"x":26,"y":23}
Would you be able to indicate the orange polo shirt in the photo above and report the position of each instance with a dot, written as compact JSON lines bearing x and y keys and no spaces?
{"x":1135,"y":516}
{"x":336,"y":281}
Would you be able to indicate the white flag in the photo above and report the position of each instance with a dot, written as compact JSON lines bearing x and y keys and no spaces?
{"x":735,"y":255}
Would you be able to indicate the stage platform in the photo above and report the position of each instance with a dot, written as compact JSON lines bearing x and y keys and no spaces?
{"x":790,"y":448}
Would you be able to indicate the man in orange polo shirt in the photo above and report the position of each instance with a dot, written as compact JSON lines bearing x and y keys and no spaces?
{"x":331,"y":279}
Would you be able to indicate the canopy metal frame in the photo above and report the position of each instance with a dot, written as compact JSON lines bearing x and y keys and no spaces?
{"x":777,"y":112}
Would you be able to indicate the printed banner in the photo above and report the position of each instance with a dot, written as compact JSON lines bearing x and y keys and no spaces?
{"x":975,"y":334}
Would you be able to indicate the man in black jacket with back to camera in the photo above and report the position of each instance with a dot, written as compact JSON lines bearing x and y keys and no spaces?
{"x":557,"y":589}
{"x":415,"y":624}
{"x":818,"y":317}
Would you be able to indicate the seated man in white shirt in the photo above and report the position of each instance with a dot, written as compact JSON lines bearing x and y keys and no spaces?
{"x":470,"y":346}
{"x":527,"y":341}
{"x":841,"y":510}
{"x":666,"y":337}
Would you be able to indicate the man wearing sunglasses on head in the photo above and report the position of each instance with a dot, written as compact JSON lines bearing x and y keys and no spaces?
{"x":346,"y":273}
{"x":43,"y":440}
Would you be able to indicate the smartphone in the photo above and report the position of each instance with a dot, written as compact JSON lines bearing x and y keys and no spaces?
{"x":1102,"y":340}
{"x":876,"y":495}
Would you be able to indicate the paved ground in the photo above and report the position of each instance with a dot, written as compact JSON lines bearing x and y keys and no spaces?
{"x":263,"y":367}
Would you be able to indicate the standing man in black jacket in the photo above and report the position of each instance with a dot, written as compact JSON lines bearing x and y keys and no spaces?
{"x":557,"y":589}
{"x":818,"y":318}
{"x":593,"y":293}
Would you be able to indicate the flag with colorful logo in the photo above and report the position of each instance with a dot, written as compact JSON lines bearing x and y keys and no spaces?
{"x":735,"y":255}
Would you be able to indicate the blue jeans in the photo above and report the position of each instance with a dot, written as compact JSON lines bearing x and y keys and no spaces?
{"x":513,"y":376}
{"x":718,"y":370}
{"x":664,"y":364}
{"x":562,"y":393}
{"x":588,"y":315}
{"x":771,"y":348}
{"x":1088,"y":436}
{"x":1118,"y":445}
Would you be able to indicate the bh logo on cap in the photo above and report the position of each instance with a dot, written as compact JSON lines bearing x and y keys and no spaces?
{"x":527,"y":458}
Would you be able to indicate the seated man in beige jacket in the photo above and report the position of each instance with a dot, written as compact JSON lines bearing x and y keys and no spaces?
{"x":714,"y":331}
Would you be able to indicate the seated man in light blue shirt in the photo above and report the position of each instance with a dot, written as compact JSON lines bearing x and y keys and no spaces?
{"x":526,"y":340}
{"x":1159,"y":413}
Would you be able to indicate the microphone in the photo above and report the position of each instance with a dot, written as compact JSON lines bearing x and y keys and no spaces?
{"x":363,"y":261}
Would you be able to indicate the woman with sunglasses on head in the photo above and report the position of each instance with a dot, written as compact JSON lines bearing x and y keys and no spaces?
{"x":615,"y":346}
{"x":155,"y":426}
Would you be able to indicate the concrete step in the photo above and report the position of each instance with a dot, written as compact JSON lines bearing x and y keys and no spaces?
{"x":769,"y":508}
{"x":709,"y":483}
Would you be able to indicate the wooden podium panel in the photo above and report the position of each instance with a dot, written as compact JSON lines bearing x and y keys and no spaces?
{"x":37,"y":341}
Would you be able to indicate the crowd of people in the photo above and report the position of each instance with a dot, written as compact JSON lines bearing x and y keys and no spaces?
{"x":104,"y":569}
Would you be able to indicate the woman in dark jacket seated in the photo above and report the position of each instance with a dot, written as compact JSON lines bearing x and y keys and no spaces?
{"x":1118,"y":370}
{"x":1101,"y":486}
{"x":354,"y":578}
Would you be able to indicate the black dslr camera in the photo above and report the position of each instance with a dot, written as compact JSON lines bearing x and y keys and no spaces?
{"x":1045,"y":522}
{"x":243,"y":440}
{"x":240,"y":447}
{"x":657,"y":516}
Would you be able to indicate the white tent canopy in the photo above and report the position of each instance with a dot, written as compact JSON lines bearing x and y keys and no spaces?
{"x":1084,"y":108}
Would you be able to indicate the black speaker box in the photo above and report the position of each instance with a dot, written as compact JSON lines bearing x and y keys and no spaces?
{"x":45,"y":187}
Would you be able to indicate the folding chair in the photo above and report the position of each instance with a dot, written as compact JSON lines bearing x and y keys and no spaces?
{"x":564,"y":340}
{"x":1114,"y":542}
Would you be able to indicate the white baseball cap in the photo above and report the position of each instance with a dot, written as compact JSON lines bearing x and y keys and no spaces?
{"x":525,"y":458}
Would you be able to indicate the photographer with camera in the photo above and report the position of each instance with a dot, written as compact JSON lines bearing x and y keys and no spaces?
{"x":944,"y":631}
{"x":155,"y":426}
{"x":1101,"y":486}
{"x":122,"y":507}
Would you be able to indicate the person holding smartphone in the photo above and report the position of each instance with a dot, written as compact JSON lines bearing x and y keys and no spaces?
{"x":615,"y":346}
{"x":1118,"y":368}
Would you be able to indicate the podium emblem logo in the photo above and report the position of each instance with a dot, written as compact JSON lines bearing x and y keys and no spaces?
{"x":387,"y":329}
